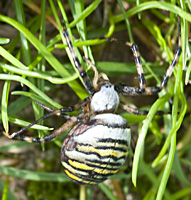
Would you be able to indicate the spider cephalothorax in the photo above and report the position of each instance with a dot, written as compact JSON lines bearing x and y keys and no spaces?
{"x":98,"y":143}
{"x":106,"y":99}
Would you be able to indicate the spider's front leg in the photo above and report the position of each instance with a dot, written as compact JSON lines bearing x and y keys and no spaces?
{"x":142,"y":89}
{"x":60,"y":112}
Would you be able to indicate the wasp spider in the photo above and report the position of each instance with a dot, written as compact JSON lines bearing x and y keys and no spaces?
{"x":98,"y":144}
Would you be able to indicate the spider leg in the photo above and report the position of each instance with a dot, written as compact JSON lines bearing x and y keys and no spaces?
{"x":58,"y":112}
{"x":49,"y":137}
{"x":142,"y":89}
{"x":69,"y":109}
{"x":55,"y":112}
{"x":78,"y":65}
{"x":175,"y":59}
{"x":136,"y":54}
{"x":133,"y":110}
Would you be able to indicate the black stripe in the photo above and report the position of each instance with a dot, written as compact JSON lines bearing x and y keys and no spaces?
{"x":103,"y":162}
{"x":179,"y":51}
{"x":94,"y":166}
{"x":91,"y":174}
{"x":114,"y":148}
{"x":173,"y":63}
{"x":76,"y":62}
{"x":65,"y":33}
{"x":165,"y":81}
{"x":89,"y":178}
{"x":142,"y":79}
{"x":137,"y":59}
{"x":104,"y":140}
{"x":89,"y":87}
{"x":111,"y":147}
{"x":95,"y":180}
{"x":70,"y":45}
{"x":90,"y":171}
{"x":83,"y":74}
{"x":134,"y":48}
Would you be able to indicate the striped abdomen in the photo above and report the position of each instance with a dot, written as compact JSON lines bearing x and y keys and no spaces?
{"x":94,"y":151}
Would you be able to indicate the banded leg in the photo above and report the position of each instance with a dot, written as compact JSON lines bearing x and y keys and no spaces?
{"x":49,"y":137}
{"x":69,"y":109}
{"x":136,"y":111}
{"x":175,"y":59}
{"x":83,"y":74}
{"x":143,"y":90}
{"x":136,"y":54}
{"x":59,"y":112}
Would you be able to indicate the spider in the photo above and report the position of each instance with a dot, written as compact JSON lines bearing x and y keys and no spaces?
{"x":98,"y":143}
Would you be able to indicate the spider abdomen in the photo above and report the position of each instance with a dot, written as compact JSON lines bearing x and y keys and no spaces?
{"x":96,"y":150}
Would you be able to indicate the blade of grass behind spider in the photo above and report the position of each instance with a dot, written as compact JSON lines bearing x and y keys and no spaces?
{"x":81,"y":25}
{"x":4,"y":40}
{"x":183,"y":107}
{"x":147,"y":170}
{"x":26,"y":52}
{"x":47,"y":55}
{"x":42,"y":64}
{"x":82,"y":30}
{"x":182,"y":193}
{"x":36,"y":74}
{"x":61,"y":33}
{"x":107,"y":191}
{"x":178,"y":91}
{"x":86,"y":12}
{"x":34,"y":176}
{"x":155,"y":107}
{"x":154,"y":4}
{"x":185,"y":45}
{"x":126,"y":20}
{"x":7,"y":193}
{"x":184,"y":35}
{"x":4,"y":102}
{"x":69,"y":32}
{"x":31,"y":86}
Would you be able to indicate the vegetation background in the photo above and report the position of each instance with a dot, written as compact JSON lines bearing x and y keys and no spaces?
{"x":34,"y":66}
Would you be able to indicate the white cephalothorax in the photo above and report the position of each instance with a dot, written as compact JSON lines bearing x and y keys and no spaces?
{"x":106,"y":99}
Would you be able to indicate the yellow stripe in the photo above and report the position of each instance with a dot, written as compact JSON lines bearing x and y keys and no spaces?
{"x":78,"y":179}
{"x":104,"y":152}
{"x":85,"y":167}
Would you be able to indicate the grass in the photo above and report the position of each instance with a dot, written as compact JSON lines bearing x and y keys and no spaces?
{"x":158,"y":158}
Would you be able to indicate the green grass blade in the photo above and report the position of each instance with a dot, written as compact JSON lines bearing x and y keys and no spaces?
{"x":35,"y":176}
{"x":39,"y":74}
{"x":154,"y":4}
{"x":4,"y":40}
{"x":156,"y":106}
{"x":107,"y":192}
{"x":31,"y":86}
{"x":46,"y":54}
{"x":4,"y":53}
{"x":9,"y":194}
{"x":4,"y":100}
{"x":86,"y":12}
{"x":24,"y":42}
{"x":126,"y":21}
